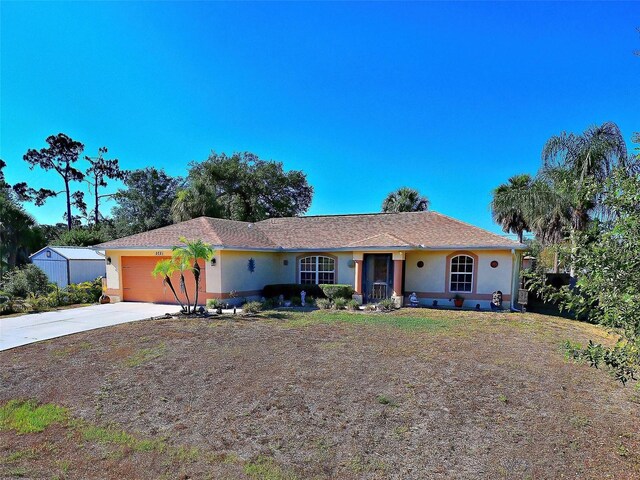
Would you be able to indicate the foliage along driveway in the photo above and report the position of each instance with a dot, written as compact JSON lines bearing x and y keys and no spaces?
{"x":30,"y":328}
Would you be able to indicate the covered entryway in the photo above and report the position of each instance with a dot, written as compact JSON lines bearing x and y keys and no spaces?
{"x":378,"y":277}
{"x":138,"y":285}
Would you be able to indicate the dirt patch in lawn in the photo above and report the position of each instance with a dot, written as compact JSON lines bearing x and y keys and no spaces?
{"x":414,"y":394}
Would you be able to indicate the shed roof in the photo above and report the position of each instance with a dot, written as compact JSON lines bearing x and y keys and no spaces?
{"x":73,"y":253}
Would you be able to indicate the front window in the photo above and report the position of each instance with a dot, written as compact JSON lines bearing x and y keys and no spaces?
{"x":461,"y":274}
{"x":317,"y":270}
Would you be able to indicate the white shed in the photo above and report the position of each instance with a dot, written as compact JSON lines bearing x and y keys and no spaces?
{"x":65,"y":265}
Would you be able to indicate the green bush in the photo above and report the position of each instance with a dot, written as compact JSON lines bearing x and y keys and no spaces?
{"x":213,"y":303}
{"x":35,"y":303}
{"x":296,"y":301}
{"x":387,"y":305}
{"x":323,"y":303}
{"x":333,"y":291}
{"x":340,"y":303}
{"x":353,"y":305}
{"x":86,"y":292}
{"x":289,"y":290}
{"x":83,"y":237}
{"x":20,"y":282}
{"x":252,"y":307}
{"x":10,"y":305}
{"x":270,"y":303}
{"x":623,"y":359}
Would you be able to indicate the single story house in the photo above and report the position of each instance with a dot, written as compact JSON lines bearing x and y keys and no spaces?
{"x":65,"y":265}
{"x":382,"y":255}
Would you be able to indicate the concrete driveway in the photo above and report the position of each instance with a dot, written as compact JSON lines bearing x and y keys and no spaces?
{"x":16,"y":331}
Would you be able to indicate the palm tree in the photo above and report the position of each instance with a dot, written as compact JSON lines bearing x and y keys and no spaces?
{"x":191,"y":252}
{"x":509,"y":206}
{"x":585,"y":161}
{"x":166,"y":268}
{"x":197,"y":200}
{"x":405,"y":199}
{"x":181,"y":265}
{"x":17,"y":232}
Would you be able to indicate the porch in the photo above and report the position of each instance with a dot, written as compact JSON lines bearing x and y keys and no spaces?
{"x":379,"y":276}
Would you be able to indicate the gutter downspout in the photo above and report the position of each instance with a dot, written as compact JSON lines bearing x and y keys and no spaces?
{"x":515,"y":280}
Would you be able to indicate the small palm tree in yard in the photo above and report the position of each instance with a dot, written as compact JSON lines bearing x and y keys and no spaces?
{"x":182,"y":265}
{"x":186,"y":257}
{"x":165,"y":269}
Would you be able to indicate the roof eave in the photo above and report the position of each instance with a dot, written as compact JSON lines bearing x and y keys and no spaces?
{"x":329,"y":249}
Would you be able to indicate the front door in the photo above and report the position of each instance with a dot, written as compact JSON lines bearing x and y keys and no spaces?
{"x":377,"y":276}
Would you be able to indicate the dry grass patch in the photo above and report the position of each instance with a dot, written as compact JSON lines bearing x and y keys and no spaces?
{"x":284,"y":395}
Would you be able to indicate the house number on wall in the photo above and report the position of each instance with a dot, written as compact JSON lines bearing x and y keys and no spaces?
{"x":159,"y":254}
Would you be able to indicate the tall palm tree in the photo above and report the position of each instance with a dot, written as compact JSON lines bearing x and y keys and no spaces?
{"x":191,"y":252}
{"x":509,"y":206}
{"x":405,"y":199}
{"x":586,"y":160}
{"x":194,"y":201}
{"x":165,"y":269}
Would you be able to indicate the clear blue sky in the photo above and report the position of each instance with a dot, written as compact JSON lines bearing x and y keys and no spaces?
{"x":448,"y":98}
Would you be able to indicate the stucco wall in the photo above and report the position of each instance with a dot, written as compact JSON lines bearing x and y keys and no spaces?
{"x":431,"y":283}
{"x":231,"y":273}
{"x":289,"y":273}
{"x":234,"y":275}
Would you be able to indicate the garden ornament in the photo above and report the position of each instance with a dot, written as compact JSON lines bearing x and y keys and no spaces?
{"x":413,"y":299}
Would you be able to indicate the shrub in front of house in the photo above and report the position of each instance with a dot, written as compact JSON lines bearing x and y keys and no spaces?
{"x":340,"y":303}
{"x":336,"y":290}
{"x":252,"y":307}
{"x":85,"y":292}
{"x":289,"y":290}
{"x":270,"y":303}
{"x":353,"y":305}
{"x":387,"y":305}
{"x":213,"y":303}
{"x":323,"y":303}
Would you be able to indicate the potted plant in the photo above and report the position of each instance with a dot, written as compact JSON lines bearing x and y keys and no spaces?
{"x":458,"y":300}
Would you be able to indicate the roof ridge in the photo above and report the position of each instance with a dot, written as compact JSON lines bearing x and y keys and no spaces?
{"x":380,"y":235}
{"x":370,"y":214}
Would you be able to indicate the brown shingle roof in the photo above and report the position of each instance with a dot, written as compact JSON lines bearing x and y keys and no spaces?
{"x":381,"y":230}
{"x":215,"y":231}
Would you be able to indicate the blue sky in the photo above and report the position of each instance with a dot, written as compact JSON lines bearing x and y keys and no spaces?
{"x":448,"y":98}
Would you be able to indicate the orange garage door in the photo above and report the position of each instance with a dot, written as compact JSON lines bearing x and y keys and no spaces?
{"x":140,"y":286}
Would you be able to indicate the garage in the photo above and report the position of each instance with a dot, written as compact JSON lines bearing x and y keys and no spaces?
{"x":140,"y":286}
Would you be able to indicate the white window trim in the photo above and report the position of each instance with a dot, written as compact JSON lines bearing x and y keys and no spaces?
{"x":317,"y":271}
{"x":451,"y":273}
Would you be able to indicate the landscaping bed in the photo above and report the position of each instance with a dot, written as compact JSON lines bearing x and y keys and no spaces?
{"x":411,"y":394}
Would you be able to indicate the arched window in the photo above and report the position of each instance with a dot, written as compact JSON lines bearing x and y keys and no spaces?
{"x":318,"y":270}
{"x":461,"y":274}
